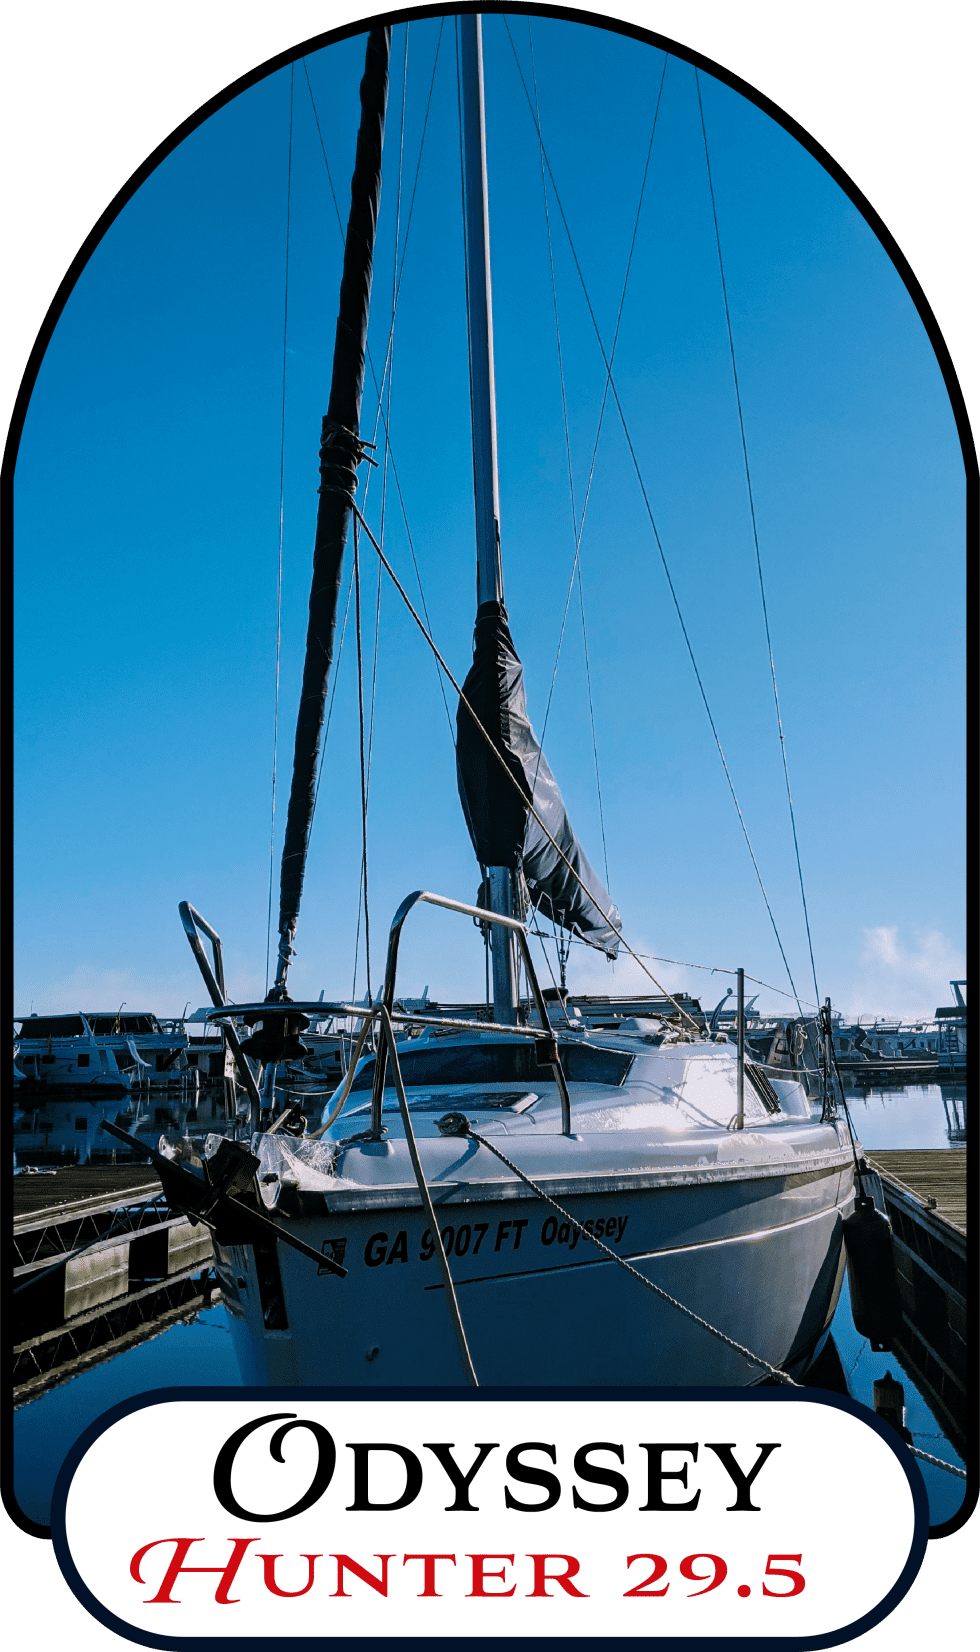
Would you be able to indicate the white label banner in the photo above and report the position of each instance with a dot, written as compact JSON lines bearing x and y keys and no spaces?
{"x":757,"y":1515}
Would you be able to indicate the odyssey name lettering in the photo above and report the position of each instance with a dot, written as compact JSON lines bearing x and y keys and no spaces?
{"x":663,"y":1473}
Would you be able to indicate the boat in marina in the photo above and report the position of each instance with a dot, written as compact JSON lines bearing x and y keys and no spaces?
{"x":102,"y":1053}
{"x":542,"y":1189}
{"x":878,"y":1050}
{"x":147,"y":1074}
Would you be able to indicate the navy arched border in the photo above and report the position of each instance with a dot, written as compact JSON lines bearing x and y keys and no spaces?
{"x":859,"y":200}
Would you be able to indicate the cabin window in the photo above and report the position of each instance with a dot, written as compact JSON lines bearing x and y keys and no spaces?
{"x":81,"y":1124}
{"x":84,"y":1060}
{"x":503,"y":1064}
{"x":516,"y":1101}
{"x":48,"y":1058}
{"x":52,"y":1026}
{"x":112,"y":1026}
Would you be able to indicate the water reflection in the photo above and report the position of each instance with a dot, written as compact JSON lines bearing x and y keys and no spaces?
{"x":862,"y":1368}
{"x":954,"y":1102}
{"x":924,"y":1115}
{"x":197,"y":1353}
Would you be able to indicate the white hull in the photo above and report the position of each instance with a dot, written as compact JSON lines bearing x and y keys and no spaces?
{"x":744,"y":1228}
{"x":581,"y":1322}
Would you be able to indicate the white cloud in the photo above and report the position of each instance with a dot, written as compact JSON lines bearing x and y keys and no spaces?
{"x":899,"y":978}
{"x":89,"y":988}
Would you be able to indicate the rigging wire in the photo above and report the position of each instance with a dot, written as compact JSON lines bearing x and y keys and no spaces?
{"x":578,"y":526}
{"x":755,"y":530}
{"x":576,"y":532}
{"x":364,"y":801}
{"x":656,"y":535}
{"x":595,"y":744}
{"x":282,"y":472}
{"x":685,"y":963}
{"x":512,"y":779}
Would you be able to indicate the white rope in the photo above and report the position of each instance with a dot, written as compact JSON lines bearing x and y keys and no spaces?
{"x":938,"y":1462}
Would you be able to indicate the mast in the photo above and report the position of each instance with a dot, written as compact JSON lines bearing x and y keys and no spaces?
{"x":486,"y":493}
{"x":341,"y":451}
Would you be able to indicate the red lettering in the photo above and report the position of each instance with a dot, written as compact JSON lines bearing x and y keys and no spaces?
{"x":428,"y":1571}
{"x":482,"y":1576}
{"x":659,"y":1567}
{"x":181,"y":1549}
{"x":345,"y":1563}
{"x":563,"y":1579}
{"x":269,"y":1575}
{"x":797,"y":1580}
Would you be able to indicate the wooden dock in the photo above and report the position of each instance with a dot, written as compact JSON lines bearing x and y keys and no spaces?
{"x":77,"y":1184}
{"x":925,"y":1198}
{"x":100,"y":1263}
{"x":936,"y":1176}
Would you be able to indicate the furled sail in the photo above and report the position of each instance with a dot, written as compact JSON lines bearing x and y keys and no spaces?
{"x":341,"y":452}
{"x":501,"y":826}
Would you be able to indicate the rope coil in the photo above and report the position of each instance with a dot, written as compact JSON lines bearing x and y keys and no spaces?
{"x":341,"y":451}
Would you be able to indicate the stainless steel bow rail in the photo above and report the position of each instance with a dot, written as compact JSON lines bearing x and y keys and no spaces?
{"x":214,"y":980}
{"x":291,"y":1011}
{"x":546,"y":1042}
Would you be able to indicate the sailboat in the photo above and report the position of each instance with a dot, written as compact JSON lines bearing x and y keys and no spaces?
{"x":529,"y":1198}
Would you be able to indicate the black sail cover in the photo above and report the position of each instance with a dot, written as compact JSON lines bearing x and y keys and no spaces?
{"x":502,"y":828}
{"x":340,"y":455}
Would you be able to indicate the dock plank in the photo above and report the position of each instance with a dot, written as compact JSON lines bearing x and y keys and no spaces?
{"x":79,"y":1184}
{"x":933,"y":1174}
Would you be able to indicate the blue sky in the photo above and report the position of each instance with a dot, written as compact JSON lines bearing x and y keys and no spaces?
{"x":147,"y":521}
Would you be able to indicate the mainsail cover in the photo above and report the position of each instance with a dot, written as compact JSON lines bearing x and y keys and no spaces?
{"x":503,"y":830}
{"x":340,"y":454}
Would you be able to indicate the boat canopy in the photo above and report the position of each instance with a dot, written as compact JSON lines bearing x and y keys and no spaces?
{"x":503,"y":830}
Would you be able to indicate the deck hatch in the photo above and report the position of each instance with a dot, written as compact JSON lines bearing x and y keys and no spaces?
{"x":515,"y":1101}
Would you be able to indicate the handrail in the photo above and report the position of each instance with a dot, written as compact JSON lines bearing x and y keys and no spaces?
{"x":481,"y":915}
{"x":214,"y":980}
{"x":358,"y":1012}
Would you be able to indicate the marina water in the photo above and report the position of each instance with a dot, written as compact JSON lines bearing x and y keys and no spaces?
{"x":199,"y":1352}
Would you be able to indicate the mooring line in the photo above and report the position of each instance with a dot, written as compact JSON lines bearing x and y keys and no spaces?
{"x":754,"y":1359}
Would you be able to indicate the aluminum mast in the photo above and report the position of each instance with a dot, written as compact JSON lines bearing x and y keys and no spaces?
{"x":489,"y":574}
